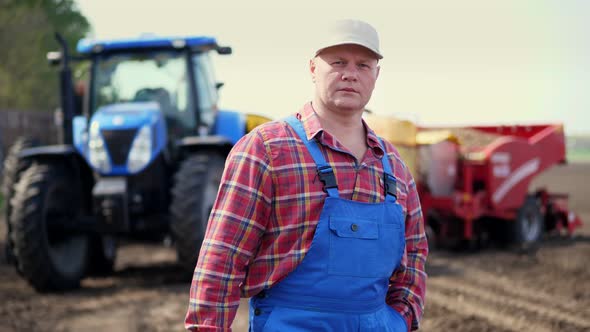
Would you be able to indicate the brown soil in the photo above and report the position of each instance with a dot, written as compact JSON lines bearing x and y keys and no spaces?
{"x":488,"y":290}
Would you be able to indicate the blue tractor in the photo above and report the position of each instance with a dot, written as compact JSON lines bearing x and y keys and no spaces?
{"x":141,"y":157}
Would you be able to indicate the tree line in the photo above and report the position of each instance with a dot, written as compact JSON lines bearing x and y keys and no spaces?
{"x":27,"y":29}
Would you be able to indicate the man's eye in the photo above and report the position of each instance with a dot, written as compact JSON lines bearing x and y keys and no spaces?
{"x":364,"y":66}
{"x":337,"y":62}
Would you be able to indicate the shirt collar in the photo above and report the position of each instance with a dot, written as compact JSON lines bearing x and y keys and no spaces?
{"x":313,"y":129}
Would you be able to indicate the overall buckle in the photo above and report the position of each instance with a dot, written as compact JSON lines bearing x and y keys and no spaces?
{"x":390,"y":185}
{"x":326,"y":175}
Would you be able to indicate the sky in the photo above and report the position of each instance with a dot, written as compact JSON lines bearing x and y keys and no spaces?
{"x":452,"y":62}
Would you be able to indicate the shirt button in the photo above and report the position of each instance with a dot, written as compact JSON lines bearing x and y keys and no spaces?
{"x":354,"y":227}
{"x":257,"y":312}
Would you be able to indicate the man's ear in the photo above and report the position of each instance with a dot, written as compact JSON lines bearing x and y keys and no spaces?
{"x":312,"y":68}
{"x":378,"y":70}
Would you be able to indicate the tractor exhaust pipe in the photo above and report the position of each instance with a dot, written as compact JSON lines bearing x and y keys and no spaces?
{"x":66,"y":91}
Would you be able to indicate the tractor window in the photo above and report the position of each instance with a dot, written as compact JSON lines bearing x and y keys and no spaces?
{"x":206,"y":89}
{"x":140,"y":77}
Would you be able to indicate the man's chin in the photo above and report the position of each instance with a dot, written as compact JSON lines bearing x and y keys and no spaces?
{"x":348,"y":106}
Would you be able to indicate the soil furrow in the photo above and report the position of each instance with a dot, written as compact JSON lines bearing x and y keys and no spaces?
{"x":515,"y":289}
{"x":502,"y":301}
{"x":491,"y":314}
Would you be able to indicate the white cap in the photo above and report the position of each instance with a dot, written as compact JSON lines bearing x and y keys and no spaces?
{"x":357,"y":32}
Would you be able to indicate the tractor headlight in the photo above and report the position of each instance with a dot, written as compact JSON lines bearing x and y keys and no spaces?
{"x":141,"y":150}
{"x":97,"y":153}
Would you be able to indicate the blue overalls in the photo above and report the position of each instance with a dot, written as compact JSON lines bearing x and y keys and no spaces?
{"x":343,"y":279}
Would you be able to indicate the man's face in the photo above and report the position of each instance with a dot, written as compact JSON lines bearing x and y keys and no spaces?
{"x":345,"y":77}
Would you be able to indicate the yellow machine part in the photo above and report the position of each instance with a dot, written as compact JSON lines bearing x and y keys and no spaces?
{"x":435,"y":136}
{"x":401,"y":133}
{"x":254,"y":120}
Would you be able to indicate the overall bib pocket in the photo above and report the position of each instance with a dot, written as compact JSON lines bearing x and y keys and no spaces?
{"x":363,"y":248}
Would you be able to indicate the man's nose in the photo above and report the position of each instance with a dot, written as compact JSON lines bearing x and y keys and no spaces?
{"x":350,"y":73}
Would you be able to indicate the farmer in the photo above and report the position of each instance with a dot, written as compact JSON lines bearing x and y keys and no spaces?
{"x":317,"y":219}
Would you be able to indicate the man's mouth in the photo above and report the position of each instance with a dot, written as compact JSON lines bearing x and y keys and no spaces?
{"x":349,"y":90}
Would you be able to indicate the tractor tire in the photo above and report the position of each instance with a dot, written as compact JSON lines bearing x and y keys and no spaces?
{"x":195,"y":188}
{"x":50,"y":257}
{"x":13,"y":167}
{"x":528,"y":228}
{"x":102,"y":253}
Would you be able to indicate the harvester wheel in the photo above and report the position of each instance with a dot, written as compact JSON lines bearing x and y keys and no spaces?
{"x":13,"y":167}
{"x":431,"y":237}
{"x":48,"y":255}
{"x":529,"y":224}
{"x":195,"y":188}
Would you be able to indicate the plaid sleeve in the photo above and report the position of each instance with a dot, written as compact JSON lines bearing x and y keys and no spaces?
{"x":237,"y":221}
{"x":407,"y":285}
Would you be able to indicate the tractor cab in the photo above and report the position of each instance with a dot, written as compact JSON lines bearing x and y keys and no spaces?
{"x":144,"y":95}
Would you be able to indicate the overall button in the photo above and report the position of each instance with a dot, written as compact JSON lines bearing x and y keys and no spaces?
{"x":257,"y":312}
{"x":354,"y":227}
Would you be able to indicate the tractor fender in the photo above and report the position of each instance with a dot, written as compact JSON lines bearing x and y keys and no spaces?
{"x":66,"y":154}
{"x":50,"y":152}
{"x":57,"y":153}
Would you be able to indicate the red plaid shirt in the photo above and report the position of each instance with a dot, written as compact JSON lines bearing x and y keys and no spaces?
{"x":268,"y":206}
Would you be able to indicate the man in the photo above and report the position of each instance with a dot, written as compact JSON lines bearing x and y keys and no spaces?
{"x":317,"y":220}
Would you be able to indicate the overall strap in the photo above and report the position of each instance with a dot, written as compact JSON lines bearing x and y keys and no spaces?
{"x":389,"y":181}
{"x":325,"y":171}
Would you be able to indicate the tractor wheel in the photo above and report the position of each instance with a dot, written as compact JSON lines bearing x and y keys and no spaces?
{"x":13,"y":167}
{"x":48,"y":255}
{"x":102,"y":253}
{"x":195,"y":188}
{"x":528,"y":227}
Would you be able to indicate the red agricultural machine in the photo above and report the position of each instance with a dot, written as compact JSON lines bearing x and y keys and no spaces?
{"x":474,"y":181}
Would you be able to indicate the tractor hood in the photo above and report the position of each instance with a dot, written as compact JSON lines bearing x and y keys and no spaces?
{"x":127,"y":115}
{"x":122,"y":139}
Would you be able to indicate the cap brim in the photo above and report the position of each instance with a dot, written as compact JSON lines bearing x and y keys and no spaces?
{"x":379,"y":56}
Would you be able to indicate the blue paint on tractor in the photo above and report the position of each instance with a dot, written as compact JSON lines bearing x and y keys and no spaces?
{"x":87,"y":46}
{"x":231,"y":125}
{"x":119,"y":118}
